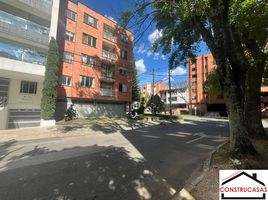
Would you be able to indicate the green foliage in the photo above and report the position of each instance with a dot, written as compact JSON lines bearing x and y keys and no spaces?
{"x":49,"y":92}
{"x":156,"y":104}
{"x":135,"y":85}
{"x":212,"y":83}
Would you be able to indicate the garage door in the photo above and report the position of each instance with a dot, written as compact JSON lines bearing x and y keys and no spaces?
{"x":21,"y":118}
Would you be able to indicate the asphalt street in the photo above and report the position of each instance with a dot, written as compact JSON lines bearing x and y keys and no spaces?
{"x":146,"y":163}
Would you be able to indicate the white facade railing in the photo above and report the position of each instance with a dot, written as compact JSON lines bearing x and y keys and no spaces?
{"x":23,"y":33}
{"x":42,"y":5}
{"x":106,"y":92}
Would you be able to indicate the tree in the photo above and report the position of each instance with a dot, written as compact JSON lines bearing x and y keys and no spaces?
{"x":135,"y":85}
{"x":236,"y":34}
{"x":252,"y":108}
{"x":48,"y":101}
{"x":156,"y":104}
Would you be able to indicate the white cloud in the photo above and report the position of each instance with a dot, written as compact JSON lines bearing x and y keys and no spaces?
{"x":156,"y":56}
{"x":111,"y":18}
{"x":179,"y":71}
{"x":140,"y":66}
{"x":142,"y":49}
{"x":149,"y":53}
{"x":154,"y":36}
{"x":163,"y":57}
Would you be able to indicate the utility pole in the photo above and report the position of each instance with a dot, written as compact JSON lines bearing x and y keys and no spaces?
{"x":153,"y":81}
{"x":169,"y":85}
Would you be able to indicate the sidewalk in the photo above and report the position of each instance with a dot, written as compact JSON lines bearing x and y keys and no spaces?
{"x":80,"y":127}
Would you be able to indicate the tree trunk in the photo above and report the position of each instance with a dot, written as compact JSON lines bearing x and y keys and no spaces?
{"x":240,"y":143}
{"x":253,"y":105}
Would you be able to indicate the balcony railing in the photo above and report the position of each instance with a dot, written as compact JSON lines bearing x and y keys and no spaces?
{"x":106,"y":92}
{"x":23,"y":33}
{"x":109,"y":36}
{"x":108,"y":54}
{"x":42,"y":5}
{"x":3,"y":102}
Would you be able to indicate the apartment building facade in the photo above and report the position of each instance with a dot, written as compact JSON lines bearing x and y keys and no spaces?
{"x":179,"y":99}
{"x":96,"y":62}
{"x":26,"y":27}
{"x":199,"y":100}
{"x":158,"y":86}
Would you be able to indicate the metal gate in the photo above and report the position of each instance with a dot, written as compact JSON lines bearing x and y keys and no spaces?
{"x":21,"y":118}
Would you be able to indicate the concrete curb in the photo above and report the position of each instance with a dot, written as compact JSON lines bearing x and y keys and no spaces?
{"x":196,"y":177}
{"x":40,"y":133}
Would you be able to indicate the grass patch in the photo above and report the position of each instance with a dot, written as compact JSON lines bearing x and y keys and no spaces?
{"x":221,"y":158}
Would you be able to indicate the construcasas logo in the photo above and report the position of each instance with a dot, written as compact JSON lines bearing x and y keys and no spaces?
{"x":243,"y":184}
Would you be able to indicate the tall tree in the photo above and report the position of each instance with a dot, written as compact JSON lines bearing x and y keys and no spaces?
{"x":236,"y":34}
{"x":48,"y":101}
{"x":135,"y":85}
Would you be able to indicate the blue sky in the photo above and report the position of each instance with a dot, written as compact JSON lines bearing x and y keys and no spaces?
{"x":145,"y":59}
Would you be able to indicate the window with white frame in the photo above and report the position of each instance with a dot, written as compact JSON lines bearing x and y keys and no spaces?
{"x":71,"y":15}
{"x":124,"y":54}
{"x":69,"y":36}
{"x":89,"y":40}
{"x":123,"y":71}
{"x":68,"y":57}
{"x":86,"y":81}
{"x":122,"y":87}
{"x":90,"y":20}
{"x":28,"y":87}
{"x":65,"y":80}
{"x":88,"y":60}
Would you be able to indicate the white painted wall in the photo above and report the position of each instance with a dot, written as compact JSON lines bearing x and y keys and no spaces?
{"x":12,"y":67}
{"x":54,"y":18}
{"x":3,"y":117}
{"x":91,"y":110}
{"x":17,"y":100}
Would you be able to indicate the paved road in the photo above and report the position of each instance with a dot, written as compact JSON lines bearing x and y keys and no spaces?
{"x":147,"y":163}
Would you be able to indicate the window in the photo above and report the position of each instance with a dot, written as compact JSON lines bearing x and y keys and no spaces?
{"x":71,"y":15}
{"x":124,"y":38}
{"x":90,"y":20}
{"x":28,"y":87}
{"x":193,"y":69}
{"x":123,"y":71}
{"x":69,"y":36}
{"x":68,"y":57}
{"x":89,"y":40}
{"x":122,"y":87}
{"x":108,"y":53}
{"x":172,"y":99}
{"x":109,"y":33}
{"x":86,"y":81}
{"x":65,"y":80}
{"x":124,"y":54}
{"x":194,"y":76}
{"x":107,"y":70}
{"x":88,"y":60}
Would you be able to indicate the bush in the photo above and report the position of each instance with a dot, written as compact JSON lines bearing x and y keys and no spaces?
{"x":48,"y":101}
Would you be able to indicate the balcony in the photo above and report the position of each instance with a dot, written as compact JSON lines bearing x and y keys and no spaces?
{"x":108,"y":54}
{"x":42,"y":5}
{"x":11,"y":30}
{"x":109,"y":36}
{"x":106,"y":92}
{"x":107,"y":78}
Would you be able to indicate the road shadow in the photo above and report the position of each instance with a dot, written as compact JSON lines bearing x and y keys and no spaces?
{"x":108,"y":174}
{"x":169,"y":150}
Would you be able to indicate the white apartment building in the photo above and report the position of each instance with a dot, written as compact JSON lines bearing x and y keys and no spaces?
{"x":179,"y":99}
{"x":26,"y":27}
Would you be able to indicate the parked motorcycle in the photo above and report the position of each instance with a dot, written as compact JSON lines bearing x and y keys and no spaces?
{"x":70,"y":113}
{"x":133,"y":114}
